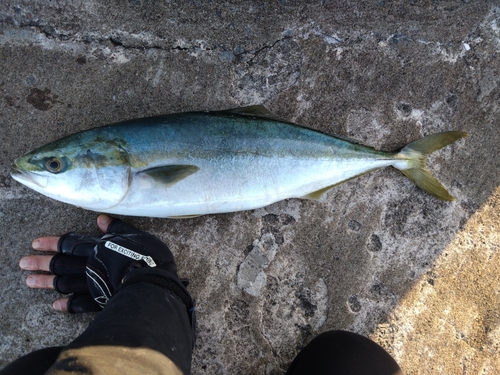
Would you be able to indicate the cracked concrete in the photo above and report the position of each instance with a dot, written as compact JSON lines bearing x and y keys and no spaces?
{"x":376,"y":255}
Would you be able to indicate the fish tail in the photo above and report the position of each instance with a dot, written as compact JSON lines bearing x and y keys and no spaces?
{"x":416,"y":154}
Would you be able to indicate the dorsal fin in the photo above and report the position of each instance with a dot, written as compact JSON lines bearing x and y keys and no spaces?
{"x":353,"y":141}
{"x":255,"y":111}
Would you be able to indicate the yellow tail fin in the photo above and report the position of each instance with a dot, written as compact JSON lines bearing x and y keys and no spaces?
{"x":417,"y":152}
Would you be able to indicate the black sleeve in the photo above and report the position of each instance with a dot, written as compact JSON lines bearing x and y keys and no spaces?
{"x":152,"y":311}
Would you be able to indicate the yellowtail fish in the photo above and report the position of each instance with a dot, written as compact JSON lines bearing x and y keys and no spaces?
{"x":190,"y":164}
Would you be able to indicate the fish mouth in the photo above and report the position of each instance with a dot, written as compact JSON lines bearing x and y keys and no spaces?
{"x":29,"y":179}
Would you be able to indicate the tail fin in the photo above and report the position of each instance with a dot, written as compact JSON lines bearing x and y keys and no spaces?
{"x":416,"y":170}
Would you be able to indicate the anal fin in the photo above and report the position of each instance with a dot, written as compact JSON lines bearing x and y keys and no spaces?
{"x":316,"y":195}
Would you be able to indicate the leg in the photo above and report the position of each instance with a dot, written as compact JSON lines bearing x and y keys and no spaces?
{"x":343,"y":353}
{"x":35,"y":363}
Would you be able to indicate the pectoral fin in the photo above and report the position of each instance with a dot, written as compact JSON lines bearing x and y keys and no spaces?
{"x":168,"y":175}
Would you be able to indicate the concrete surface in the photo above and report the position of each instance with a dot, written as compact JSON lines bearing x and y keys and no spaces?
{"x":376,"y":256}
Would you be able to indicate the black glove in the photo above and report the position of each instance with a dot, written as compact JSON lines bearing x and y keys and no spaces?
{"x":94,"y":268}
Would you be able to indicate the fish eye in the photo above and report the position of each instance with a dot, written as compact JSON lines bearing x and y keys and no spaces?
{"x":53,"y":165}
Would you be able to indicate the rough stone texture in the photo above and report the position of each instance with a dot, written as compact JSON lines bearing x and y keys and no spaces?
{"x":376,"y":256}
{"x":450,"y":319}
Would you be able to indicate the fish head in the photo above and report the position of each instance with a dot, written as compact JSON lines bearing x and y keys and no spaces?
{"x":88,"y":172}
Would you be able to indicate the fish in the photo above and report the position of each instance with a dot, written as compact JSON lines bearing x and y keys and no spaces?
{"x":195,"y":163}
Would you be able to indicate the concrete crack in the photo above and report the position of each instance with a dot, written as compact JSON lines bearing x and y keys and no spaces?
{"x":255,"y":53}
{"x":33,"y":31}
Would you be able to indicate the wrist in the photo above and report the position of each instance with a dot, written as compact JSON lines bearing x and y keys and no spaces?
{"x":163,"y":279}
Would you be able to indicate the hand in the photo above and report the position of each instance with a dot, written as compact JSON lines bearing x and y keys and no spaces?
{"x":42,"y":263}
{"x":94,"y":268}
